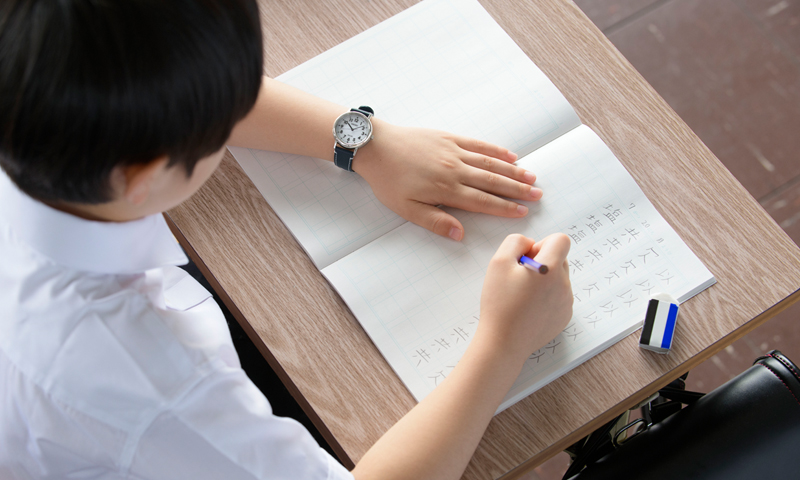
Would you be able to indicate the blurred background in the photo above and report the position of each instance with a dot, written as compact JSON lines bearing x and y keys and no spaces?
{"x":731,"y":70}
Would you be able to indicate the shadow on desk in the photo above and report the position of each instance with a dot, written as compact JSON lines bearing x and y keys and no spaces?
{"x":257,"y":368}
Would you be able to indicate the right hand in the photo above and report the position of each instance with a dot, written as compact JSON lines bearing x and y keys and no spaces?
{"x":522,"y":310}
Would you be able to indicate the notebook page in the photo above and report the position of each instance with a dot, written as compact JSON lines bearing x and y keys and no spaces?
{"x":417,"y":295}
{"x":442,"y":64}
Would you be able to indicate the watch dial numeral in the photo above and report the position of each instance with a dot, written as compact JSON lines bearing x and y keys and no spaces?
{"x":352,"y":129}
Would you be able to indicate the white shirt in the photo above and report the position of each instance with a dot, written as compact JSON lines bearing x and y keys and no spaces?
{"x":116,"y":364}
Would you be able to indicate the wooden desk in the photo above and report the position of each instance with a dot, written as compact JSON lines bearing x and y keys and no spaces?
{"x":310,"y":338}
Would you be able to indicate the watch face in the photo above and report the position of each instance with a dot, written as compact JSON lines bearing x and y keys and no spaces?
{"x":352,"y":129}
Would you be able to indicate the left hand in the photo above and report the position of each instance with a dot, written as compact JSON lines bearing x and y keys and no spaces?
{"x":412,"y":170}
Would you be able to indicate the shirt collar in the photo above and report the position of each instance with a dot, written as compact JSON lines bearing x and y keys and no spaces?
{"x":102,"y":247}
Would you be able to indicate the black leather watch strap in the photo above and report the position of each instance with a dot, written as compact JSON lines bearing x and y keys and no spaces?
{"x":365,"y":110}
{"x":343,"y":158}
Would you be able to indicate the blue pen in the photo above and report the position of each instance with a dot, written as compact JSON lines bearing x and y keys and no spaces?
{"x":532,"y":264}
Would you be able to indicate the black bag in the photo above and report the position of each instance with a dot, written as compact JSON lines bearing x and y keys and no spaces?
{"x":749,"y":428}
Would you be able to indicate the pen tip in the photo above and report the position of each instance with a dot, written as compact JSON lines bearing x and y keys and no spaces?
{"x":543,"y":269}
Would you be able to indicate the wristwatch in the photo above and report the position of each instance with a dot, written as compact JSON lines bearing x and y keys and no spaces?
{"x":352,"y":130}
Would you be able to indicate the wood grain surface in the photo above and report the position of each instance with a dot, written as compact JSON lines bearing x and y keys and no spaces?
{"x":326,"y":359}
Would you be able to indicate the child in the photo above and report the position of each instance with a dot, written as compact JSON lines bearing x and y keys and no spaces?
{"x":114,"y":363}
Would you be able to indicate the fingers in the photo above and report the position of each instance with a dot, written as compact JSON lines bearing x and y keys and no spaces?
{"x":475,"y":200}
{"x":485,"y":148}
{"x":552,"y":250}
{"x":504,"y":185}
{"x":487,"y":163}
{"x":514,"y":246}
{"x":436,"y":220}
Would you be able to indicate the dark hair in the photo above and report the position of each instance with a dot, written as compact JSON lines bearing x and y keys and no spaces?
{"x":87,"y":85}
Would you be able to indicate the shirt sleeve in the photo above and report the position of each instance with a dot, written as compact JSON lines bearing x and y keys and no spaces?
{"x":223,"y":427}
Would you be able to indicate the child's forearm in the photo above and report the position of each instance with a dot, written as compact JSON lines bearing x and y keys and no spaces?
{"x":285,"y":119}
{"x":437,"y":438}
{"x":411,"y":170}
{"x":520,"y":312}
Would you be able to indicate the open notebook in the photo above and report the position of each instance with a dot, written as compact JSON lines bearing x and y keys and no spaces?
{"x":447,"y":64}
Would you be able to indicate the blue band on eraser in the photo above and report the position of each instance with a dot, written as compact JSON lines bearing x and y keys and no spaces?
{"x":659,"y":323}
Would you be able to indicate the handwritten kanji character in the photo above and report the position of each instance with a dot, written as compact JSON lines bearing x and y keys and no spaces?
{"x":644,"y":255}
{"x":612,"y":243}
{"x":614,"y":211}
{"x":593,"y":224}
{"x":577,"y":236}
{"x":552,"y":346}
{"x":435,"y":378}
{"x":537,"y":355}
{"x":573,"y":331}
{"x":440,"y":343}
{"x":590,"y":287}
{"x":460,"y":334}
{"x":666,"y":276}
{"x":628,"y":265}
{"x":576,"y":265}
{"x":609,"y":308}
{"x":594,"y":255}
{"x":422,"y":355}
{"x":611,"y":276}
{"x":632,"y":234}
{"x":627,"y":298}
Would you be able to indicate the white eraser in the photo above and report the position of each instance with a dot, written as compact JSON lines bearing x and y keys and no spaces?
{"x":659,"y":323}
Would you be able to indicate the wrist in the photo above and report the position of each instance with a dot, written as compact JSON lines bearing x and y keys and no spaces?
{"x":489,"y":342}
{"x":369,"y":155}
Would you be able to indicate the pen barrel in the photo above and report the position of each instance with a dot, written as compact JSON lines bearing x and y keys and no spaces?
{"x":532,"y":264}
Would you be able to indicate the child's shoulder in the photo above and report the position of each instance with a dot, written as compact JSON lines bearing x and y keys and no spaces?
{"x":94,"y":312}
{"x":95,"y":339}
{"x":89,"y":362}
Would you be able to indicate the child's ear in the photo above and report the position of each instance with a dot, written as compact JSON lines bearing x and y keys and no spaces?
{"x":137,"y":180}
